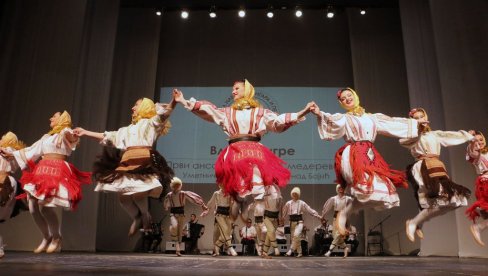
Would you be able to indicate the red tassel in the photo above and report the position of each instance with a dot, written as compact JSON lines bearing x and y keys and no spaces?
{"x":361,"y":165}
{"x":21,"y":196}
{"x":481,"y":198}
{"x":236,"y":171}
{"x":48,"y":174}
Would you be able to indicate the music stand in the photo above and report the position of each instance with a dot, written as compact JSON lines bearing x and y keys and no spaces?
{"x":375,"y":238}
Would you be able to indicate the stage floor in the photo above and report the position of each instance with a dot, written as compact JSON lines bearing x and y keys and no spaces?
{"x":23,"y":263}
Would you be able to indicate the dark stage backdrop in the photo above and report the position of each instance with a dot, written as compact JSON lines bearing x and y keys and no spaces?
{"x":95,"y":59}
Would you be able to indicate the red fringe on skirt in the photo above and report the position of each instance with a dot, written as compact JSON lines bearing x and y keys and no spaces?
{"x":48,"y":174}
{"x":361,"y":165}
{"x":235,"y":172}
{"x":481,"y":198}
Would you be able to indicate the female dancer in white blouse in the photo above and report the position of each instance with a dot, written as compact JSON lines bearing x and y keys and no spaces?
{"x":436,"y":193}
{"x":9,"y":187}
{"x":477,"y":154}
{"x":52,"y":182}
{"x":359,"y":167}
{"x":141,"y":171}
{"x":245,"y":166}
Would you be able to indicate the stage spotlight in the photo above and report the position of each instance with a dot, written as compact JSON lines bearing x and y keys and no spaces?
{"x":184,"y":14}
{"x":330,"y":12}
{"x":362,"y":11}
{"x":270,"y":13}
{"x":241,"y":13}
{"x":159,"y":12}
{"x":212,"y":12}
{"x":298,"y":12}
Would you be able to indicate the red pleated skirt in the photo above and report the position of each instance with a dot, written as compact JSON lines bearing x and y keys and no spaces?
{"x":48,"y":175}
{"x":366,"y":160}
{"x":235,"y":165}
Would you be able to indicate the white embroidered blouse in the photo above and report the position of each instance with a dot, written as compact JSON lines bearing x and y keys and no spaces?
{"x":62,"y":143}
{"x":364,"y":128}
{"x":253,"y":121}
{"x":143,"y":133}
{"x":430,"y":142}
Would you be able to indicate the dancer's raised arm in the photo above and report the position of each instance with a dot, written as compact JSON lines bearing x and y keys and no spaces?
{"x":156,"y":122}
{"x":52,"y":181}
{"x":134,"y":170}
{"x":280,"y":122}
{"x":358,"y":165}
{"x":79,"y":131}
{"x":203,"y":109}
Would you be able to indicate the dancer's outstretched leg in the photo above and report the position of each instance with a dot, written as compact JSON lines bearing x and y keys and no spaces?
{"x":352,"y":207}
{"x":411,"y":225}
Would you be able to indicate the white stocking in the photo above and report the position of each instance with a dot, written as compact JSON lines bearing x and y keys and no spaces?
{"x":129,"y":206}
{"x":427,"y":214}
{"x":52,"y":221}
{"x":38,"y":218}
{"x":141,"y":201}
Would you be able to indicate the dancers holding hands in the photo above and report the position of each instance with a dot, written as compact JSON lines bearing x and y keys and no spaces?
{"x":246,"y":170}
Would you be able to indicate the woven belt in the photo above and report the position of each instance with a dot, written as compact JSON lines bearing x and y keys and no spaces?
{"x":244,"y":138}
{"x":271,"y":214}
{"x":54,"y":156}
{"x":258,"y":219}
{"x":296,"y":217}
{"x":223,"y":210}
{"x":177,"y":210}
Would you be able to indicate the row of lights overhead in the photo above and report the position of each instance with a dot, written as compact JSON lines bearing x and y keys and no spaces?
{"x":330,"y":12}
